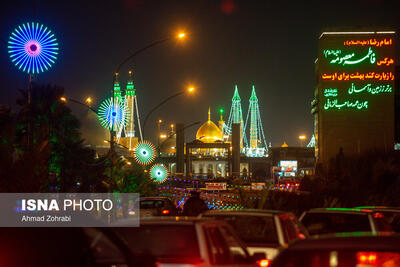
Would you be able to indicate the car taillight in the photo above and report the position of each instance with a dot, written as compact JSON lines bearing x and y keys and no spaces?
{"x":378,"y":215}
{"x":165,"y":212}
{"x":366,"y":257}
{"x":263,"y":263}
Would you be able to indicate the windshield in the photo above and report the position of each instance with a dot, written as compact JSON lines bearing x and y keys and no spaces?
{"x":253,"y":229}
{"x":325,"y":223}
{"x":151,"y":204}
{"x":163,"y":241}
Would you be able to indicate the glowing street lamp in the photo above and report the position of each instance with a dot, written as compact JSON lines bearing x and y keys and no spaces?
{"x":302,"y":138}
{"x":89,"y":100}
{"x":181,"y":35}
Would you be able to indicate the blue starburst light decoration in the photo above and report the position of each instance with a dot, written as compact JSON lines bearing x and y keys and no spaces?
{"x":113,"y":114}
{"x":33,"y":48}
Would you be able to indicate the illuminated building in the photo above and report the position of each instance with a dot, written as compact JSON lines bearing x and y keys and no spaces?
{"x":209,"y":156}
{"x":354,"y":98}
{"x":289,"y":161}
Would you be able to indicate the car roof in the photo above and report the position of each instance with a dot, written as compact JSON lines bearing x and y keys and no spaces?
{"x":167,"y":220}
{"x":243,"y":212}
{"x":340,"y":210}
{"x":154,"y":198}
{"x":356,"y":241}
{"x":380,"y":208}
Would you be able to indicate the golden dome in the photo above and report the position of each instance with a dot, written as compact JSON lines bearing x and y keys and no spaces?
{"x":209,"y":132}
{"x":284,"y":144}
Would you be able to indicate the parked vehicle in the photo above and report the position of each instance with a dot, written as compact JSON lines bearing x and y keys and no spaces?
{"x":265,"y":231}
{"x":186,"y":241}
{"x":349,"y":250}
{"x":340,"y":220}
{"x":65,"y":247}
{"x":157,"y":206}
{"x":391,"y":214}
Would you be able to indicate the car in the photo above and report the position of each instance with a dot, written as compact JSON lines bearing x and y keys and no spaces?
{"x":288,"y":183}
{"x":157,"y":206}
{"x":65,"y":247}
{"x":349,"y":250}
{"x":339,"y":220}
{"x":187,"y":241}
{"x":391,"y":214}
{"x":265,"y":231}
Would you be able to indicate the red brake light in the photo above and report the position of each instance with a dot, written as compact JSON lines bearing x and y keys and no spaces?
{"x":263,"y":263}
{"x":366,"y":257}
{"x":378,"y":215}
{"x":165,"y":212}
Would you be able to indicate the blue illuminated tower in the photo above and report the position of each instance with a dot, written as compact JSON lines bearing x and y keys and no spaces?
{"x":258,"y":146}
{"x":236,"y":116}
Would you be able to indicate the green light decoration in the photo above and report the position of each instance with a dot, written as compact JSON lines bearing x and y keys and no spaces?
{"x":329,"y":92}
{"x":312,"y":141}
{"x":159,"y":173}
{"x":346,"y":59}
{"x":130,"y":87}
{"x":374,"y":90}
{"x":334,"y":104}
{"x":145,"y":153}
{"x":113,"y":114}
{"x":236,"y":116}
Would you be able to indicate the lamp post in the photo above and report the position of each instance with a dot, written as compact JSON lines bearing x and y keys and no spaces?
{"x":179,"y":36}
{"x":302,"y":138}
{"x":188,"y":90}
{"x":88,"y":101}
{"x":159,"y":131}
{"x":112,"y":132}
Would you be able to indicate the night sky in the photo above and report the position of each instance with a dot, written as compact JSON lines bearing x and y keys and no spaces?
{"x":271,"y":44}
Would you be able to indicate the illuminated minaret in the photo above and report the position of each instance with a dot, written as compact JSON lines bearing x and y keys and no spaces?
{"x":253,"y":119}
{"x":117,"y":98}
{"x":221,"y":123}
{"x":117,"y":88}
{"x":130,"y":139}
{"x":130,"y":101}
{"x":236,"y":116}
{"x":258,"y":145}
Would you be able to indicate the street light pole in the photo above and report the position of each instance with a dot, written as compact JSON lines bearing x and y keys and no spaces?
{"x":179,"y":36}
{"x":302,"y":138}
{"x":191,"y":89}
{"x":112,"y":132}
{"x":65,"y":99}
